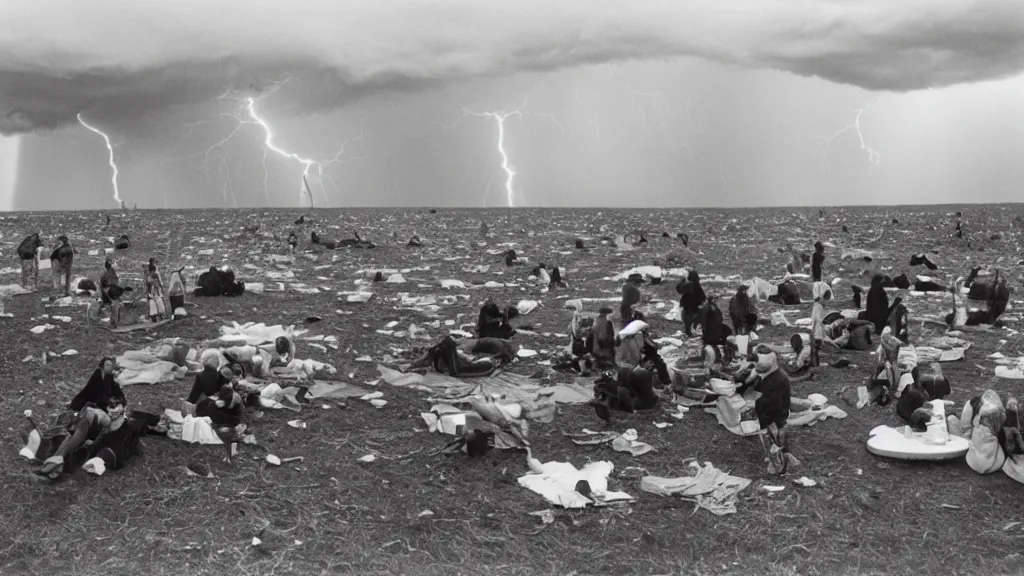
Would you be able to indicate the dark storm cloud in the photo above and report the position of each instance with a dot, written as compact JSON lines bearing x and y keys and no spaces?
{"x":112,"y":58}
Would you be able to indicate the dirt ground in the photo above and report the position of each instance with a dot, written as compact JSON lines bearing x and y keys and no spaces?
{"x":331,"y":514}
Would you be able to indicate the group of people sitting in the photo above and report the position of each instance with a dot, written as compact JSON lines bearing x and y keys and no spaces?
{"x":98,"y":424}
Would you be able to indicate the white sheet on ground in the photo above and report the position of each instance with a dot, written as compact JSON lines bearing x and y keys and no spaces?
{"x":556,"y":482}
{"x":714,"y":490}
{"x":141,"y":367}
{"x":538,"y":401}
{"x":257,"y":333}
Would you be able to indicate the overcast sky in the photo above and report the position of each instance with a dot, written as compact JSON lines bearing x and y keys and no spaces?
{"x":640,"y":103}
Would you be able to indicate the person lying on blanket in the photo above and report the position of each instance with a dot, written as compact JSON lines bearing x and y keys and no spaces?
{"x":111,"y":434}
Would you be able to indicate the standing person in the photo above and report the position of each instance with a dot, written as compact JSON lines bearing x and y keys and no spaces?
{"x":61,"y":260}
{"x":817,"y":322}
{"x":742,"y":311}
{"x":877,"y":311}
{"x":28,"y":252}
{"x":110,"y":292}
{"x":796,"y":263}
{"x":817,"y":261}
{"x":155,"y":292}
{"x":691,"y":298}
{"x":631,"y":296}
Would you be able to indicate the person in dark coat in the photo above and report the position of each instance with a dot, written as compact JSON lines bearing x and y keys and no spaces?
{"x":493,"y":323}
{"x":691,"y":298}
{"x":61,"y":260}
{"x":742,"y":311}
{"x":631,"y":296}
{"x":772,"y":410}
{"x":817,"y":261}
{"x":877,"y":311}
{"x":714,"y":331}
{"x":28,"y":253}
{"x":100,"y":388}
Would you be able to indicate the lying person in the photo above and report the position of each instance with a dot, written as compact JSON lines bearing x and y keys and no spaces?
{"x":849,"y":334}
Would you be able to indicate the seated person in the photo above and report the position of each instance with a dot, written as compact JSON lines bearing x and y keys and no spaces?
{"x":225,"y":407}
{"x":787,"y":294}
{"x":802,"y":363}
{"x":742,"y":311}
{"x":492,"y":323}
{"x":601,"y":343}
{"x":653,"y":361}
{"x":110,"y":434}
{"x":100,"y":388}
{"x":208,"y":382}
{"x":628,"y":389}
{"x":283,"y":352}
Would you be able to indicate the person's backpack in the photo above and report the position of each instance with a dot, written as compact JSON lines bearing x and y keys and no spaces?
{"x":27,"y":248}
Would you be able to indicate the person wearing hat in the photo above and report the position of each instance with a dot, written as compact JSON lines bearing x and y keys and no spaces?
{"x":742,"y":311}
{"x":631,"y":296}
{"x":690,"y":300}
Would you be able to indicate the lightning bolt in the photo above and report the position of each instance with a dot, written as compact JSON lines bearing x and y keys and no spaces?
{"x":110,"y":149}
{"x":247,"y":115}
{"x":500,"y":117}
{"x":874,"y":158}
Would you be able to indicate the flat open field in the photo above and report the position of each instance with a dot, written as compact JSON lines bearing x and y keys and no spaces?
{"x":332,"y":514}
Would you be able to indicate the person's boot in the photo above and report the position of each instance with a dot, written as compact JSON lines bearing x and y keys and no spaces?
{"x":784,"y":445}
{"x":776,"y":458}
{"x":771,"y":452}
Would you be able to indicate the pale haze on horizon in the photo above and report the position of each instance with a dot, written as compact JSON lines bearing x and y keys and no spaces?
{"x":731,"y":103}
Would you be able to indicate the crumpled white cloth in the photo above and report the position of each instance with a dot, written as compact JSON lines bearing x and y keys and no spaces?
{"x":556,"y":482}
{"x":714,"y":490}
{"x":199,"y":430}
{"x":95,"y":466}
{"x":255,"y":334}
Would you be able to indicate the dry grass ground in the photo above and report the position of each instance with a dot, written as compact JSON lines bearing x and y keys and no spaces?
{"x":330,"y":514}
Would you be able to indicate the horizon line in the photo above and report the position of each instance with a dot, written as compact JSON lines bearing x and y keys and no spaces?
{"x":478,"y":209}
